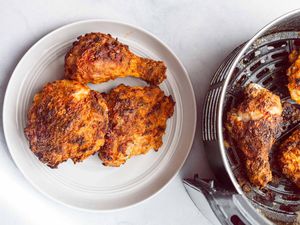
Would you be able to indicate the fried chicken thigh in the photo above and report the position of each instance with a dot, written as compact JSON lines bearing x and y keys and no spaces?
{"x":67,"y":120}
{"x":97,"y":57}
{"x":289,"y":157}
{"x":137,"y":122}
{"x":294,"y":76}
{"x":253,"y":127}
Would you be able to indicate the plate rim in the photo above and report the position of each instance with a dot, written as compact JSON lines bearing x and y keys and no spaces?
{"x":76,"y":23}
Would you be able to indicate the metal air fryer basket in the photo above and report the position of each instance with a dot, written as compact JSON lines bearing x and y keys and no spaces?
{"x":262,"y":60}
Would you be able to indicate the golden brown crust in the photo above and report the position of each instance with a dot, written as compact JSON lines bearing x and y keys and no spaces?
{"x":67,"y":120}
{"x":294,"y":76}
{"x":97,"y":57}
{"x":137,"y":122}
{"x":253,"y":126}
{"x":289,"y":157}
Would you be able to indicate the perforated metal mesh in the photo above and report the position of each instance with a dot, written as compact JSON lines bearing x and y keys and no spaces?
{"x":264,"y":63}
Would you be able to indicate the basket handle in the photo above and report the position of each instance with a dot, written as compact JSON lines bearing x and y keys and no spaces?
{"x":229,"y":207}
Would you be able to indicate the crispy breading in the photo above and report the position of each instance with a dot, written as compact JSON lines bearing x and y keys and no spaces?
{"x":290,"y":113}
{"x":66,"y":120}
{"x":253,"y":126}
{"x":137,"y":122}
{"x":294,"y":76}
{"x":289,"y":157}
{"x":97,"y":57}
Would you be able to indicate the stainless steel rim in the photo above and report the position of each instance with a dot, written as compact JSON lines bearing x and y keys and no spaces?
{"x":225,"y":85}
{"x":223,"y":93}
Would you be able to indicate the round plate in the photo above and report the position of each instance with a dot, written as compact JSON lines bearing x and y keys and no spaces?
{"x":90,"y":185}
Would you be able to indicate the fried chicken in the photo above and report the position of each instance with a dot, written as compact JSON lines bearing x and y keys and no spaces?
{"x":289,"y":158}
{"x":294,"y":76}
{"x":97,"y":57}
{"x":137,"y":122}
{"x":253,"y":127}
{"x":67,"y":120}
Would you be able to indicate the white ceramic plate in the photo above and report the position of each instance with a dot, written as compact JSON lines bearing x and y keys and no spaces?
{"x":89,"y":185}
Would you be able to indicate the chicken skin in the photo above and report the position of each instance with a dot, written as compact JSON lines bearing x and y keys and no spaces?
{"x":66,"y":120}
{"x":253,"y":127}
{"x":289,"y":158}
{"x":97,"y":58}
{"x":294,"y":76}
{"x":137,"y":122}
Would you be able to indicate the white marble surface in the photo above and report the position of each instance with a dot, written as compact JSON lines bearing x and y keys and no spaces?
{"x":201,"y":33}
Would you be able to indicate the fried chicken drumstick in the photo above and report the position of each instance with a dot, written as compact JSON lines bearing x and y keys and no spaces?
{"x":289,"y":158}
{"x":137,"y":122}
{"x":294,"y":76}
{"x":253,"y":127}
{"x":97,"y":57}
{"x":66,"y":120}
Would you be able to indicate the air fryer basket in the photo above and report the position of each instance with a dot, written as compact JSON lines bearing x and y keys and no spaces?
{"x":262,"y":60}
